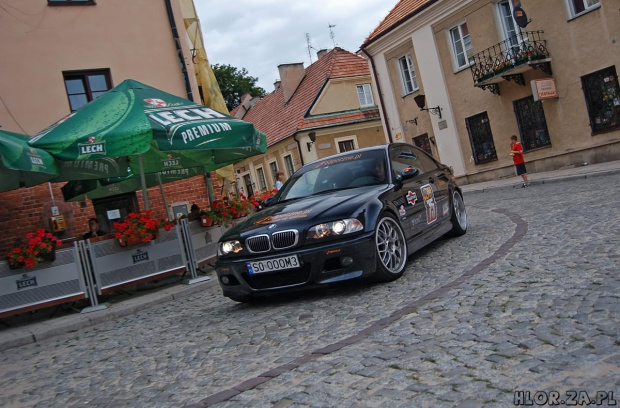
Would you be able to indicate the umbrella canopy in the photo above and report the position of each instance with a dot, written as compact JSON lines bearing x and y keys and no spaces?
{"x":22,"y":165}
{"x":27,"y":166}
{"x":165,"y":131}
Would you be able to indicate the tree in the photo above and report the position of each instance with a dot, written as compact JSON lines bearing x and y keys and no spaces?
{"x":235,"y":83}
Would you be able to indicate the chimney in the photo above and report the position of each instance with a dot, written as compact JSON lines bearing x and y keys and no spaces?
{"x":291,"y":76}
{"x":276,"y":84}
{"x":322,"y":52}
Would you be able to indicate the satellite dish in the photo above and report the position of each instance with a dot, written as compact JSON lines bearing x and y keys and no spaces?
{"x":520,"y":17}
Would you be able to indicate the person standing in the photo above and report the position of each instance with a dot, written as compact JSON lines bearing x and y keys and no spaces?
{"x":279,"y":180}
{"x":516,"y":151}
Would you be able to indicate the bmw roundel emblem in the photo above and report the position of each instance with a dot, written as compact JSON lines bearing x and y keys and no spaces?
{"x":272,"y":226}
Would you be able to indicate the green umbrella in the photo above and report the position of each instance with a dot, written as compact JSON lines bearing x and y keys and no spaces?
{"x":22,"y":165}
{"x":156,"y":130}
{"x":27,"y":166}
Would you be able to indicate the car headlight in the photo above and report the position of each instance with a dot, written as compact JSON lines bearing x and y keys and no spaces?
{"x":335,"y":228}
{"x":227,"y":247}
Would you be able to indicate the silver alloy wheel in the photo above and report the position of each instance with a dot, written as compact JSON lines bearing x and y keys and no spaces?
{"x":459,"y":210}
{"x":391,"y":245}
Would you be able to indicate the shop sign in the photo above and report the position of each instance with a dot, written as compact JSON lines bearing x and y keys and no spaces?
{"x":544,"y":89}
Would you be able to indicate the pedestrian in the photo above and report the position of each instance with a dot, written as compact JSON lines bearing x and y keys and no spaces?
{"x":279,"y":180}
{"x":516,"y":151}
{"x":93,"y":229}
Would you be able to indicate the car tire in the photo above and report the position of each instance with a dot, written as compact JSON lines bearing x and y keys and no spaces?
{"x":391,"y":249}
{"x":459,"y":215}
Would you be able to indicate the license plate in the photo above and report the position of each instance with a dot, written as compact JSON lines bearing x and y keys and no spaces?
{"x":270,"y":265}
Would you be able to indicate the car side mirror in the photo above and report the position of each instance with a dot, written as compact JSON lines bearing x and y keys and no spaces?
{"x":267,"y":201}
{"x":408,"y":173}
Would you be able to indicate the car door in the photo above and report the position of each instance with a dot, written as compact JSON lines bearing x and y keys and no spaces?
{"x":411,"y":176}
{"x":437,"y":176}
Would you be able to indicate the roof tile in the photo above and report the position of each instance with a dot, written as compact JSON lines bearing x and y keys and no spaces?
{"x":402,"y":11}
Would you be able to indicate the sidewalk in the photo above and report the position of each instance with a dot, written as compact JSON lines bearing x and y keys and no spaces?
{"x":591,"y":170}
{"x":28,"y":330}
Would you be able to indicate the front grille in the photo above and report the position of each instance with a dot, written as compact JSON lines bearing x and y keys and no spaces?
{"x":271,"y":280}
{"x":258,"y":243}
{"x":284,"y":239}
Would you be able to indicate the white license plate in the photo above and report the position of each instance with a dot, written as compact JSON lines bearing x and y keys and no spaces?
{"x":270,"y":265}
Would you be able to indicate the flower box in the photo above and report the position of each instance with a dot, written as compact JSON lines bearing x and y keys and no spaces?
{"x":39,"y":246}
{"x":139,"y":228}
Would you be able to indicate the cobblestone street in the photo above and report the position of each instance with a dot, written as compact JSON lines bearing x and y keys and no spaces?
{"x":527,"y":300}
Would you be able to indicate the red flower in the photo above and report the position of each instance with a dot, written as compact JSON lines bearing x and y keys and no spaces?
{"x":29,"y":254}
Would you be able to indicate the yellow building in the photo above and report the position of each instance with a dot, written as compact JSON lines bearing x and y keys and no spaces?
{"x":476,"y":63}
{"x":314,"y":112}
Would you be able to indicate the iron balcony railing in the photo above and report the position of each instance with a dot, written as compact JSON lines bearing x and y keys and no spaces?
{"x":500,"y":59}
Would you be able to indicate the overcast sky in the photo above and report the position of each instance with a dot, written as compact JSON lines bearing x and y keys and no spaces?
{"x":259,"y":35}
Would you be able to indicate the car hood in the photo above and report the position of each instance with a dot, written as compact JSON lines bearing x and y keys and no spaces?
{"x":303,"y":213}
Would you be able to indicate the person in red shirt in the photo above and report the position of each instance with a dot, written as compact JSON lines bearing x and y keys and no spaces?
{"x":516,"y":151}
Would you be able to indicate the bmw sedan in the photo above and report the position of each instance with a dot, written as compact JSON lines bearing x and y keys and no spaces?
{"x":354,"y":215}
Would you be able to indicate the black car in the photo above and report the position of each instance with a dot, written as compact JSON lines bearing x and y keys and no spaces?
{"x":353,"y":215}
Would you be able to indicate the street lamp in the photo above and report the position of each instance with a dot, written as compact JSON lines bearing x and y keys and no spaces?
{"x":420,"y":100}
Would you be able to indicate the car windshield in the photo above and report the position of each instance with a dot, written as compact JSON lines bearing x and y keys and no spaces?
{"x":343,"y":172}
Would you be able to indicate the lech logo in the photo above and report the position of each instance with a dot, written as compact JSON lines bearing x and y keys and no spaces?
{"x":26,"y":281}
{"x":171,"y":161}
{"x":140,"y":256}
{"x":91,"y":147}
{"x":36,"y":160}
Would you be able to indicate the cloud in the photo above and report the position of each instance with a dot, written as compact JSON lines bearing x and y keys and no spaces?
{"x":258,"y":35}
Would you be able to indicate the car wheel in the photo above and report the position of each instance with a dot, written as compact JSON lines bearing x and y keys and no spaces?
{"x":391,"y":249}
{"x":459,"y":215}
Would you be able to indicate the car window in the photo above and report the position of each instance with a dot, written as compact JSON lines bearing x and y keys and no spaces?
{"x":408,"y":157}
{"x":350,"y":171}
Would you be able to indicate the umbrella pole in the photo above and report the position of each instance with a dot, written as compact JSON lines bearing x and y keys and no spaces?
{"x":145,"y":194}
{"x":163,"y":195}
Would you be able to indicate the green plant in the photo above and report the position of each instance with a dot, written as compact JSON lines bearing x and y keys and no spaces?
{"x":139,"y":227}
{"x":32,"y":252}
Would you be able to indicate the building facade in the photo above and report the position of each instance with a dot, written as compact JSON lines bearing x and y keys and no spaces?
{"x":59,"y":55}
{"x":488,"y":69}
{"x":314,"y":112}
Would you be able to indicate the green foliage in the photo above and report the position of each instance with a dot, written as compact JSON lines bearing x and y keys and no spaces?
{"x":235,"y":83}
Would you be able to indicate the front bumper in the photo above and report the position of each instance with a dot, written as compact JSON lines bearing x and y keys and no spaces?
{"x":319,"y":265}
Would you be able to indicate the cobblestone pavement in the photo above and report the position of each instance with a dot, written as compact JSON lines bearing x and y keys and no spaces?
{"x":528,"y":300}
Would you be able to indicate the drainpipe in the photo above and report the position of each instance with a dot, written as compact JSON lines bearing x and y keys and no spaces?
{"x":374,"y":71}
{"x":175,"y":37}
{"x":301,"y":154}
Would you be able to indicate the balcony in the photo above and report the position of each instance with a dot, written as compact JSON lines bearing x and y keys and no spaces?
{"x":508,"y":60}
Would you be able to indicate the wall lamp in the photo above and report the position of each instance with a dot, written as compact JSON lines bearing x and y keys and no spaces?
{"x":420,"y":100}
{"x":312,"y":136}
{"x":414,"y":121}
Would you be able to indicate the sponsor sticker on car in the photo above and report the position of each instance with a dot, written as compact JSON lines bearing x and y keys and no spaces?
{"x":270,"y":265}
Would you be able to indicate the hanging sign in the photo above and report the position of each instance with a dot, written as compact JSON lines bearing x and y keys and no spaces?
{"x":544,"y":89}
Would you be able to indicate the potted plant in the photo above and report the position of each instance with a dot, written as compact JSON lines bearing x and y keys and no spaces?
{"x":206,"y":218}
{"x":40,"y":246}
{"x":258,"y":199}
{"x":139,"y":227}
{"x":239,"y":205}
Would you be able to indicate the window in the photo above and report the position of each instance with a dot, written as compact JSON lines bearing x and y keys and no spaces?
{"x":602,"y":99}
{"x":262,"y":182}
{"x":70,"y":2}
{"x":407,"y":74}
{"x":82,"y":87}
{"x":274,"y":169}
{"x":532,"y":123}
{"x":510,"y":31}
{"x":423,"y":143}
{"x":346,"y":145}
{"x":577,"y":7}
{"x":288,"y":161}
{"x":403,"y":157}
{"x":364,"y":93}
{"x":459,"y":38}
{"x":481,"y":138}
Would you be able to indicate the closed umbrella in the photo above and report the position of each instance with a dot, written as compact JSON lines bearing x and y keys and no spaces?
{"x":156,"y":130}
